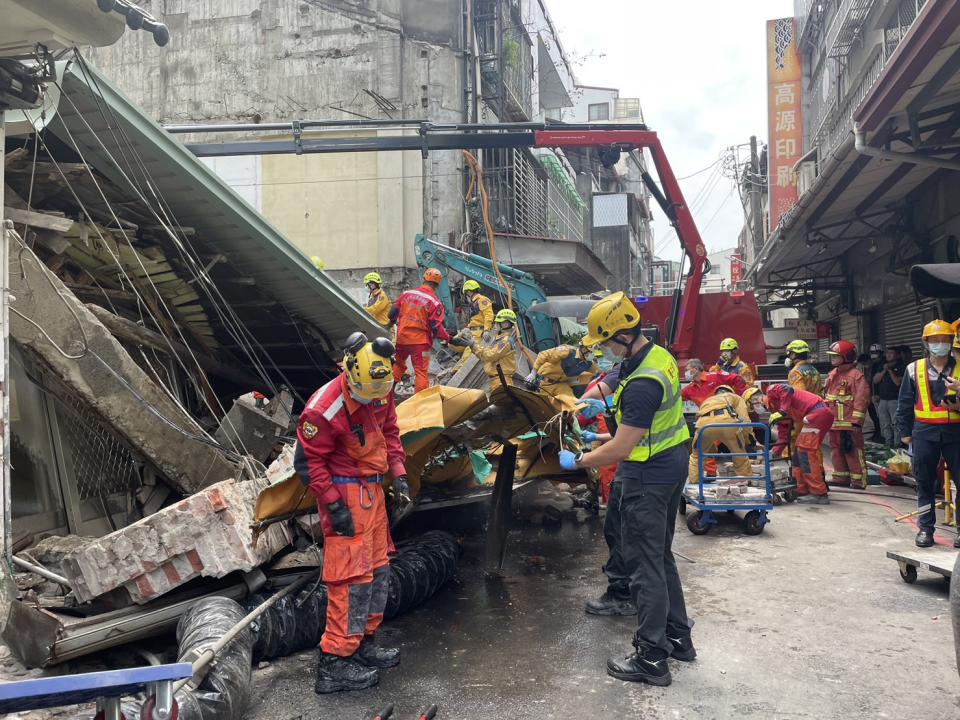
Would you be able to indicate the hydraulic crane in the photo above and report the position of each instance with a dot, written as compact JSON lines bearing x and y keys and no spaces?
{"x":691,"y":323}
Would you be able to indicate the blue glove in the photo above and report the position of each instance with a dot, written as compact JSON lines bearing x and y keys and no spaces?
{"x":568,"y":460}
{"x":608,"y":399}
{"x":588,"y":436}
{"x":593,"y":408}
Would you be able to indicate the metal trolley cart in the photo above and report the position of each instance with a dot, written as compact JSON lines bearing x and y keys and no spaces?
{"x":712,"y":495}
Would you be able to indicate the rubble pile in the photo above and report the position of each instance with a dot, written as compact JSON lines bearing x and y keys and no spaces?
{"x":206,"y":534}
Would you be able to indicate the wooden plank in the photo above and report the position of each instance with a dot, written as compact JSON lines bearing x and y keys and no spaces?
{"x":38,"y":219}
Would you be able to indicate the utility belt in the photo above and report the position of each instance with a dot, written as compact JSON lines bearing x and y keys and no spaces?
{"x":343,"y":480}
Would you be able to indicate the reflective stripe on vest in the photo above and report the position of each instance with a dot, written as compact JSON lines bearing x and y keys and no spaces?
{"x":924,"y":410}
{"x":669,"y":428}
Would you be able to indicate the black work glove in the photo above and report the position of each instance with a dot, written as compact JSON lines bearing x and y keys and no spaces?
{"x":341,"y":519}
{"x":401,"y":493}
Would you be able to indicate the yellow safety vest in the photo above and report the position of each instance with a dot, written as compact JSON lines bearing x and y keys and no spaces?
{"x":669,"y":428}
{"x":924,"y":410}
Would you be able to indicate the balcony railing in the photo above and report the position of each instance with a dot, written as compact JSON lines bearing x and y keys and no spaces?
{"x":506,"y":59}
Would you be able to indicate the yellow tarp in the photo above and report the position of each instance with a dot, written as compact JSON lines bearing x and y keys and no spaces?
{"x":425,"y":416}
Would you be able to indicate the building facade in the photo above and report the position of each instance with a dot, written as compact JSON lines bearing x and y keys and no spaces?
{"x":446,"y":61}
{"x":877,"y":183}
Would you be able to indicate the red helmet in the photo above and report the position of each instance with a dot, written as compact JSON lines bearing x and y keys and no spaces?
{"x":845,"y":349}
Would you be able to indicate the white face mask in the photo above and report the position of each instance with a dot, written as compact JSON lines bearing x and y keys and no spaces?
{"x":609,"y":355}
{"x":939,"y":349}
{"x":788,"y":362}
{"x":726,"y":356}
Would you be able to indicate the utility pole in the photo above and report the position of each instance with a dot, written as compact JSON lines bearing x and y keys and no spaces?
{"x":756,"y":200}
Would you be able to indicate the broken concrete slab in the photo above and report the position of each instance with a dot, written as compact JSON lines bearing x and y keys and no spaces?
{"x":207,"y":534}
{"x":94,"y":365}
{"x":254,"y":426}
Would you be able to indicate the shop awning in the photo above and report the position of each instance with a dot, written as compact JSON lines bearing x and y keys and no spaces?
{"x":912,"y":107}
{"x":937,"y":280}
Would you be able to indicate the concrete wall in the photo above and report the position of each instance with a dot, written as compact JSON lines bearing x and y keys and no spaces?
{"x":277,"y":60}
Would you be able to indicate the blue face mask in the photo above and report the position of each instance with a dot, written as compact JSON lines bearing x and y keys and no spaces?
{"x":939,"y":349}
{"x":604,"y":364}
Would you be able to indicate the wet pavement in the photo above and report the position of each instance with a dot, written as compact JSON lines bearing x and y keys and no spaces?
{"x":807,"y":620}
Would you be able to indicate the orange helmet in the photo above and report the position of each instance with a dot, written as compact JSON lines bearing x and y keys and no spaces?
{"x":432,"y":275}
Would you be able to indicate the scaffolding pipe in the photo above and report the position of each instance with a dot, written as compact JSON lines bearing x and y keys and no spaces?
{"x":42,"y":572}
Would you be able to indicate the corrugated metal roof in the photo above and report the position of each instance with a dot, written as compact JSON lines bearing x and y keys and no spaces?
{"x":105,"y":125}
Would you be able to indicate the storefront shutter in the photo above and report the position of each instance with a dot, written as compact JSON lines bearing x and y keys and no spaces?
{"x":902,"y":324}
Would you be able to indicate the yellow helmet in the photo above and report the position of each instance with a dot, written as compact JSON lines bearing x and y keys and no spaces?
{"x":615,"y":313}
{"x":506,"y":315}
{"x":372,"y":277}
{"x":798,"y":346}
{"x":317,"y":262}
{"x":470,"y":285}
{"x":938,"y":327}
{"x":729,"y":344}
{"x":750,"y":392}
{"x":369,"y":366}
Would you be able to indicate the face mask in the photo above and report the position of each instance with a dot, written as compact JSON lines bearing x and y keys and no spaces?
{"x":604,"y":364}
{"x":609,"y":355}
{"x":726,"y":356}
{"x":688,"y":375}
{"x":788,"y":362}
{"x":939,"y":349}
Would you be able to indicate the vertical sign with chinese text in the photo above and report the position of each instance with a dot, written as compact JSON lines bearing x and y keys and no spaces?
{"x":736,"y":269}
{"x":784,"y":98}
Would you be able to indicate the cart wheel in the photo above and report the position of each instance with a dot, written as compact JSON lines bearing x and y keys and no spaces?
{"x":790,"y":496}
{"x":696,"y":523}
{"x":753,"y":523}
{"x":683,"y":505}
{"x":908,"y":573}
{"x":146,"y":713}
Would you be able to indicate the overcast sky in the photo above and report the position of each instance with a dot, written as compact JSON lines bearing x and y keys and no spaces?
{"x":699,"y":69}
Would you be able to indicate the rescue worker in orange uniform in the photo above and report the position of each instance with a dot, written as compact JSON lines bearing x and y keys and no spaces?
{"x":378,"y":304}
{"x":347,"y":443}
{"x":847,"y":393}
{"x":730,"y":361}
{"x":928,"y":420}
{"x":810,"y":413}
{"x":419,"y":318}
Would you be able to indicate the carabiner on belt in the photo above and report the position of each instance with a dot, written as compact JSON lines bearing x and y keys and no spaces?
{"x":365,"y":490}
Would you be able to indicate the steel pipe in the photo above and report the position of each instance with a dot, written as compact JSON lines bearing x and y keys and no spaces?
{"x":860,"y":143}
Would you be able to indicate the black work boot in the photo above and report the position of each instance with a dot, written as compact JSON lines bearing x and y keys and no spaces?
{"x":924,"y":538}
{"x":683,"y":649}
{"x":336,"y":674}
{"x":956,"y":541}
{"x":376,"y":656}
{"x":611,"y":604}
{"x":648,"y":665}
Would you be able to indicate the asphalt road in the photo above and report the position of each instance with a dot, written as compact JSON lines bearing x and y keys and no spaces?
{"x":807,"y":620}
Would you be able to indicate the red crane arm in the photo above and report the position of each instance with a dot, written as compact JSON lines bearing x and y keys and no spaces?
{"x":672,"y":202}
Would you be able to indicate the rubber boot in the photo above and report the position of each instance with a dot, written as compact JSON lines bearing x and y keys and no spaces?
{"x":376,"y":656}
{"x":336,"y":674}
{"x":610,"y":604}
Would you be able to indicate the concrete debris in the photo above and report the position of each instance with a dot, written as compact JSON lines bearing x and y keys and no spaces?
{"x":95,"y":366}
{"x":282,"y":468}
{"x":255,"y":425}
{"x":207,"y":534}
